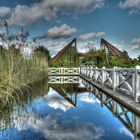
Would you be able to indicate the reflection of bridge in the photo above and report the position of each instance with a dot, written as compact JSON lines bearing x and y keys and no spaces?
{"x":129,"y":119}
{"x":59,"y":89}
{"x":68,"y":89}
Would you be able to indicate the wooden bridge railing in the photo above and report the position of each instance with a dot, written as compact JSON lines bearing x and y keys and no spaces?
{"x":64,"y":71}
{"x":126,"y":80}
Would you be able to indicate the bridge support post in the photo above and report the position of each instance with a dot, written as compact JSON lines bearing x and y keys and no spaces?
{"x":103,"y":75}
{"x":115,"y":108}
{"x":96,"y":74}
{"x":103,"y":98}
{"x":61,"y":70}
{"x":115,"y":79}
{"x":137,"y":84}
{"x":136,"y":125}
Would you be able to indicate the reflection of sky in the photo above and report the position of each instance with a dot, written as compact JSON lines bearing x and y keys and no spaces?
{"x":53,"y":118}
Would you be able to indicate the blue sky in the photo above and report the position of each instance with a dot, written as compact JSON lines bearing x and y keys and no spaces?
{"x":56,"y":22}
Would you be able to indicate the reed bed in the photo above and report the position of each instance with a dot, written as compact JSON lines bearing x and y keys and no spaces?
{"x":17,"y":73}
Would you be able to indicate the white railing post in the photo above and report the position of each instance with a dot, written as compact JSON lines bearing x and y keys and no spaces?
{"x":115,"y":108}
{"x":96,"y":74}
{"x":114,"y":78}
{"x":137,"y":84}
{"x":61,"y":70}
{"x":87,"y":70}
{"x":79,"y":70}
{"x":103,"y":75}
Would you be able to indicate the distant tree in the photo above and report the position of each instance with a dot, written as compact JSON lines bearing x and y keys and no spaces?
{"x":138,"y":58}
{"x":41,"y":51}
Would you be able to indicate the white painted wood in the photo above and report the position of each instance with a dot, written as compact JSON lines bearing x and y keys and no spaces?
{"x":126,"y":80}
{"x":63,"y":79}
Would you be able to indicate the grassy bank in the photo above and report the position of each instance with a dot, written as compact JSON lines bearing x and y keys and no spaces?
{"x":17,"y":72}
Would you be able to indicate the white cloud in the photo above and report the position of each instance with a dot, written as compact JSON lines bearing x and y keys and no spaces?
{"x":60,"y":32}
{"x":54,"y":46}
{"x":133,"y":5}
{"x":120,"y":46}
{"x":5,"y":11}
{"x":78,"y":5}
{"x":57,"y":102}
{"x":123,"y":130}
{"x":89,"y":99}
{"x":92,"y":35}
{"x":83,"y":46}
{"x":135,"y":44}
{"x":23,"y":14}
{"x":49,"y":9}
{"x":51,"y":128}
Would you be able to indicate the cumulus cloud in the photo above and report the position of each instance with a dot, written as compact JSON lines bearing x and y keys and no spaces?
{"x":133,"y":5}
{"x":89,"y":99}
{"x":55,"y":46}
{"x":63,"y":31}
{"x":135,"y":44}
{"x":58,"y":102}
{"x":119,"y":46}
{"x":49,"y":9}
{"x":51,"y":128}
{"x":84,"y":45}
{"x":92,"y":35}
{"x":123,"y":130}
{"x":5,"y":11}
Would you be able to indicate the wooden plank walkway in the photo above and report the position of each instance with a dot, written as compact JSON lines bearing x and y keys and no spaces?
{"x":125,"y":100}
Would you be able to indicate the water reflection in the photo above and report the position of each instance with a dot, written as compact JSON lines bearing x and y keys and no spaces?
{"x":67,"y":111}
{"x":129,"y":119}
{"x":31,"y":93}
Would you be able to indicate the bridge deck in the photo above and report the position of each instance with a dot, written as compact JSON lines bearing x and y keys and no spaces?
{"x":122,"y":99}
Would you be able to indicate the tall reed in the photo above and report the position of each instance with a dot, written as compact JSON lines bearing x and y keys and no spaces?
{"x":17,"y":72}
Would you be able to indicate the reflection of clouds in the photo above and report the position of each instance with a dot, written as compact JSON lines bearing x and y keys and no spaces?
{"x":57,"y":102}
{"x":53,"y":129}
{"x":87,"y":98}
{"x":123,"y":130}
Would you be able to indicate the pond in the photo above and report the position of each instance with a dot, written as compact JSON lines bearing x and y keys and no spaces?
{"x":67,"y":110}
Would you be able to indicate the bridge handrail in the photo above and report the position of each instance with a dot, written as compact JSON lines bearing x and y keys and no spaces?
{"x":126,"y":80}
{"x":64,"y":71}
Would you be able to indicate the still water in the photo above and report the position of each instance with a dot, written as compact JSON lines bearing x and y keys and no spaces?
{"x":66,"y":111}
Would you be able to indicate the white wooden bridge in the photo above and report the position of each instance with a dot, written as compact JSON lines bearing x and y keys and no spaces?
{"x":123,"y":80}
{"x":64,"y":71}
{"x":117,"y":88}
